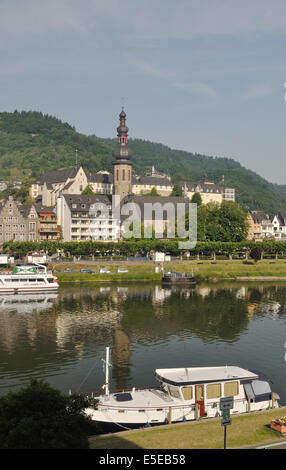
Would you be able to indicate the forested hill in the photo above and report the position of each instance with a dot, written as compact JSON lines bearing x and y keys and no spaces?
{"x":32,"y":143}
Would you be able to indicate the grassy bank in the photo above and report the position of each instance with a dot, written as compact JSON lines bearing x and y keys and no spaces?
{"x":245,"y":430}
{"x":145,"y":271}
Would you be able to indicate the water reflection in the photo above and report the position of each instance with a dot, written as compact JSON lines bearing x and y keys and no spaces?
{"x":61,"y":336}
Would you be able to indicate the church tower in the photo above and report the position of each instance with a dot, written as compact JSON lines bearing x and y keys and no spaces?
{"x":122,"y":166}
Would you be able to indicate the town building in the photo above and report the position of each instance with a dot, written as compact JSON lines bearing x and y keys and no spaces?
{"x":18,"y":222}
{"x":144,"y":184}
{"x":259,"y":226}
{"x":48,"y":229}
{"x":279,"y":225}
{"x":66,"y":181}
{"x":158,"y":213}
{"x":209,"y":191}
{"x":101,"y":182}
{"x":86,"y":217}
{"x":228,"y":194}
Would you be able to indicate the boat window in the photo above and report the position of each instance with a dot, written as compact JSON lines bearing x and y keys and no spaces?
{"x":187,"y":393}
{"x":32,"y":280}
{"x":231,"y":388}
{"x":214,"y":391}
{"x":174,"y":392}
{"x":41,"y":280}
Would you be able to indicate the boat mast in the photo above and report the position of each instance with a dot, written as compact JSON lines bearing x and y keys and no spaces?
{"x":107,"y":364}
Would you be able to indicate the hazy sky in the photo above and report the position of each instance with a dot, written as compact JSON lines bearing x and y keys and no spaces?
{"x":206,"y":76}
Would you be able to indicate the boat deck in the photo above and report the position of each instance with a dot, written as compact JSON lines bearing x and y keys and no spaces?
{"x":147,"y":398}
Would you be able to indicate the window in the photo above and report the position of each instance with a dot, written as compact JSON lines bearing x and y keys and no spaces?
{"x":187,"y":393}
{"x":123,"y":175}
{"x":231,"y":388}
{"x":174,"y":392}
{"x":214,"y":391}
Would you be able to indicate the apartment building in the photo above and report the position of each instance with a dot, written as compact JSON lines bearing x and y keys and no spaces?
{"x":86,"y":217}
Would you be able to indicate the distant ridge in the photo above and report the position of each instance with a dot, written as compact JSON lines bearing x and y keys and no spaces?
{"x":32,"y":143}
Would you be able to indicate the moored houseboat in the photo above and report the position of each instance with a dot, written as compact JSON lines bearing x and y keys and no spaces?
{"x":27,"y":279}
{"x":173,"y":278}
{"x":184,"y":394}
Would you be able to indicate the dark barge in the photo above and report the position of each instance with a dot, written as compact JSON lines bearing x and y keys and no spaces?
{"x":174,"y":278}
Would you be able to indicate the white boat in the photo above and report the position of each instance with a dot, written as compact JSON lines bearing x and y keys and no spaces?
{"x":184,"y":394}
{"x":26,"y":279}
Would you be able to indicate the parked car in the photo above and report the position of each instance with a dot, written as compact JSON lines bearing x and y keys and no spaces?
{"x":68,"y":270}
{"x":105,"y":271}
{"x":86,"y":270}
{"x":122,"y":270}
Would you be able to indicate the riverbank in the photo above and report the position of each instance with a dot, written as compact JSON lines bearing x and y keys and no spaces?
{"x":245,"y":430}
{"x":144,"y":271}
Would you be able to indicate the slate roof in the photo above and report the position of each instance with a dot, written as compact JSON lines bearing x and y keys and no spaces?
{"x":282,"y":217}
{"x":58,"y":176}
{"x":259,"y":216}
{"x":152,"y":181}
{"x":204,"y":187}
{"x":100,"y":178}
{"x":86,"y":200}
{"x":44,"y":209}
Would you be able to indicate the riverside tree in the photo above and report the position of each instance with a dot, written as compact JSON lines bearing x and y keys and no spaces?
{"x":40,"y":417}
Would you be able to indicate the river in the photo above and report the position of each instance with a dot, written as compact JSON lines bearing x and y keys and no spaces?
{"x":61,"y":338}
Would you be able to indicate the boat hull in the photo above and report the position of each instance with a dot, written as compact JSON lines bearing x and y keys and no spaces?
{"x":179,"y":281}
{"x":28,"y":290}
{"x":105,"y":427}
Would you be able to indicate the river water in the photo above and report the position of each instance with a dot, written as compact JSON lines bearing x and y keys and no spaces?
{"x":62,"y":338}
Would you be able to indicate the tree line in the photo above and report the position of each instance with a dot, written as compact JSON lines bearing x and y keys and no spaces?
{"x":146,"y":248}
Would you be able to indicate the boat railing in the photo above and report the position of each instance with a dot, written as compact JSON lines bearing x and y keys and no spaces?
{"x":117,"y":390}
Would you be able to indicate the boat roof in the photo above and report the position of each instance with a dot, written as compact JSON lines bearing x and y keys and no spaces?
{"x":196,"y":375}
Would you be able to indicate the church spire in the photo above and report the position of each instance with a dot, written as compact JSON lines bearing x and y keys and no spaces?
{"x":122,"y":152}
{"x":122,"y":177}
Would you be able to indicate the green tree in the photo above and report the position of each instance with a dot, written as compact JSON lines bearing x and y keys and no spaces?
{"x":196,"y":199}
{"x":255,"y":253}
{"x":177,"y":191}
{"x":40,"y":417}
{"x":88,"y":190}
{"x":153,"y":192}
{"x":233,"y":221}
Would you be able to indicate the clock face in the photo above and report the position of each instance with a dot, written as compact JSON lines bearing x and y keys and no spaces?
{"x":123,"y":151}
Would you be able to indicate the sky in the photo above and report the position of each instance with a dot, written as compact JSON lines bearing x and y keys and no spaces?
{"x":205,"y":76}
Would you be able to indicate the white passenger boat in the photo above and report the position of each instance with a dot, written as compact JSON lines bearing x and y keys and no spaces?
{"x":26,"y":279}
{"x":184,"y":394}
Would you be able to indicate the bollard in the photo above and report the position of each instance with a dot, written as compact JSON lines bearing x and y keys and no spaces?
{"x":170,"y":415}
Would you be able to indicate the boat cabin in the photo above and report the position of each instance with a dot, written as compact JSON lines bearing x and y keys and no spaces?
{"x":205,"y":386}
